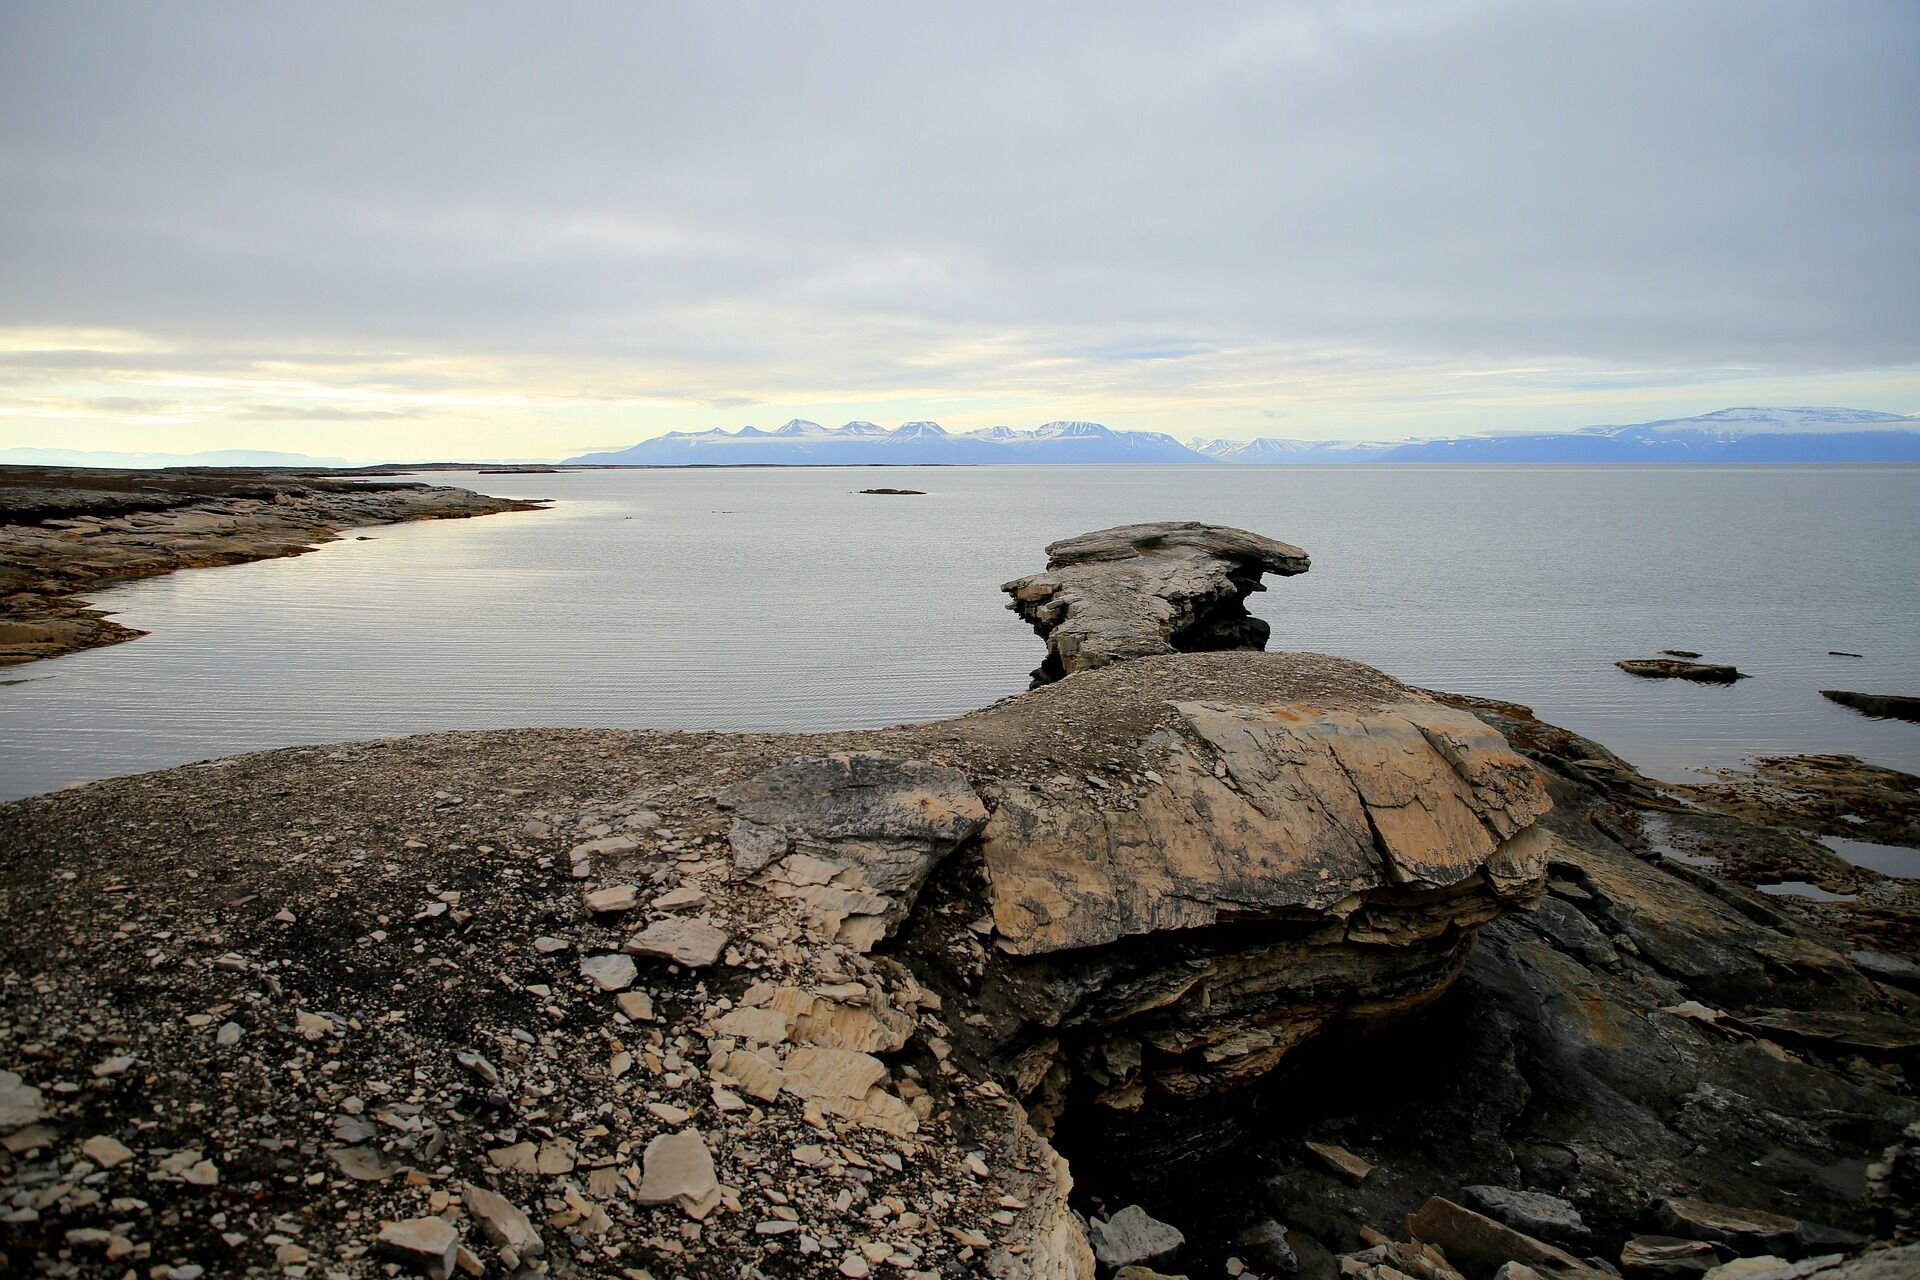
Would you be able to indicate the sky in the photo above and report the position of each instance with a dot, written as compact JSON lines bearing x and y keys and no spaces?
{"x":516,"y":231}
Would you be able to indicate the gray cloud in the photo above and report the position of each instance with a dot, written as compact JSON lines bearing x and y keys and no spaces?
{"x":873,"y":192}
{"x":318,"y":413}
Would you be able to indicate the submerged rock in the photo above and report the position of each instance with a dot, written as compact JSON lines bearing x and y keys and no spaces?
{"x":1883,"y":705}
{"x":1175,"y":586}
{"x":1681,"y":669}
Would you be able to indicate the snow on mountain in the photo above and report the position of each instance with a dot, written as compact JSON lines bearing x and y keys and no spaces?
{"x":1744,"y":434}
{"x":1756,"y":420}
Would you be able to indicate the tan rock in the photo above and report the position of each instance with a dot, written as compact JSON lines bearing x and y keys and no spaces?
{"x":502,"y":1221}
{"x":693,"y":943}
{"x":678,"y":1169}
{"x":428,"y":1245}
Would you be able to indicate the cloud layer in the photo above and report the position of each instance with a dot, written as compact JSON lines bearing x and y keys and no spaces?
{"x":545,"y":227}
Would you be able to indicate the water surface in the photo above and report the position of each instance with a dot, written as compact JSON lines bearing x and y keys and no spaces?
{"x":767,"y":598}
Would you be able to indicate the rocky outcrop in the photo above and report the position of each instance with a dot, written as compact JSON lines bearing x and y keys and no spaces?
{"x":1142,"y":589}
{"x":67,"y":531}
{"x":1882,"y":705}
{"x":1681,"y":669}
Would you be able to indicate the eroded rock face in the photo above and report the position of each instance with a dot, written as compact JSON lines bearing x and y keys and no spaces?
{"x":853,"y":834}
{"x":1173,"y":586}
{"x":1298,"y":843}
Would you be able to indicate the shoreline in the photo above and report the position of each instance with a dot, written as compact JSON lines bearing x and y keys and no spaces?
{"x":68,"y":531}
{"x":1232,"y":962}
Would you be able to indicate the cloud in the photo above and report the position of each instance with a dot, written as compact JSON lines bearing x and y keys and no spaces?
{"x":319,"y":413}
{"x":1121,"y":208}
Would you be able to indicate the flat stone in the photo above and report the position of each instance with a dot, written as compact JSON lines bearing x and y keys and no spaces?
{"x":428,"y":1245}
{"x":1341,"y":1161}
{"x":677,"y":1168}
{"x":1132,"y":1235}
{"x":1533,"y":1212}
{"x":107,"y":1152}
{"x":619,"y":897}
{"x":681,"y":899}
{"x":609,"y":972}
{"x":1476,"y":1244}
{"x":502,"y":1222}
{"x":1667,"y":1257}
{"x":693,"y":943}
{"x":1746,"y":1230}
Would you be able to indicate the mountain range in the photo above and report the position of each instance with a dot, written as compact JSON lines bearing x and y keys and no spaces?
{"x":1745,"y":434}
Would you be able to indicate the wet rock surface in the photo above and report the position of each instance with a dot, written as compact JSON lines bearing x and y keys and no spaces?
{"x":1884,"y":705}
{"x":1681,"y":669}
{"x":65,"y":531}
{"x":1144,"y":589}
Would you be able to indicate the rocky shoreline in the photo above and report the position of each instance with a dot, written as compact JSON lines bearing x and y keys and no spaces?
{"x":66,"y":531}
{"x":1199,"y":963}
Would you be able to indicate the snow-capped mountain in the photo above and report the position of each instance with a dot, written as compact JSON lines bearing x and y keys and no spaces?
{"x":1746,"y":434}
{"x":911,"y":443}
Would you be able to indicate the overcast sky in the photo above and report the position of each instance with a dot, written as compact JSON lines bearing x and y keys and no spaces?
{"x":524,"y":230}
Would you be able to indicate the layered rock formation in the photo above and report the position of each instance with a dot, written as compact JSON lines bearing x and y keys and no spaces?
{"x":1175,"y":586}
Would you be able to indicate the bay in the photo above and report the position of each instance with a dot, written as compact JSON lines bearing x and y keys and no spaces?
{"x":784,"y":599}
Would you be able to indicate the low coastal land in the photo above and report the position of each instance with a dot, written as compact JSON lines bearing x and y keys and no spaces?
{"x":1194,"y":960}
{"x":65,"y":531}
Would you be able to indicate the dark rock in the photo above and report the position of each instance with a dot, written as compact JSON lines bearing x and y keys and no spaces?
{"x":1745,"y":1231}
{"x":1881,"y":705}
{"x":1681,"y":669}
{"x":1537,"y":1214}
{"x":1479,"y":1246}
{"x":904,"y":493}
{"x":1679,"y":653}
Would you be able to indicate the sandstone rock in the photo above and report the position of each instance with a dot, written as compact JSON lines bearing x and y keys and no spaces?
{"x":502,"y":1221}
{"x":880,"y":823}
{"x":1266,"y":811}
{"x":20,"y":1103}
{"x":619,"y":897}
{"x":1341,"y":1161}
{"x":678,"y":1169}
{"x":107,"y":1152}
{"x":848,"y":1085}
{"x":1745,"y":1230}
{"x":1144,"y":589}
{"x":609,"y":972}
{"x":428,"y":1245}
{"x":1133,"y":1235}
{"x":1667,"y":1258}
{"x":693,"y":943}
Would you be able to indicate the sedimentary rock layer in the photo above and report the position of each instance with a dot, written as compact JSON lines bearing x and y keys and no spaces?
{"x":1175,"y":586}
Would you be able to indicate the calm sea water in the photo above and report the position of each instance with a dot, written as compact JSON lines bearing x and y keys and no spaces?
{"x":783,"y":599}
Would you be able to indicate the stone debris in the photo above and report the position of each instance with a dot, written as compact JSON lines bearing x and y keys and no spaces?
{"x":107,"y":1152}
{"x":1533,"y":1212}
{"x":619,"y":897}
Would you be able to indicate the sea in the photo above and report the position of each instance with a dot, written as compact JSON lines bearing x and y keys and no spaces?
{"x":783,"y":598}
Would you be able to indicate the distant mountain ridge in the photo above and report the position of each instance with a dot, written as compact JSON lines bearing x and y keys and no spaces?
{"x":805,"y":443}
{"x":31,"y":457}
{"x":1740,"y":434}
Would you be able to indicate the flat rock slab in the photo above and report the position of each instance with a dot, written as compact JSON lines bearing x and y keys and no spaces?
{"x":1267,"y":811}
{"x":1533,"y":1212}
{"x":677,"y":1168}
{"x":428,"y":1245}
{"x":693,"y":943}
